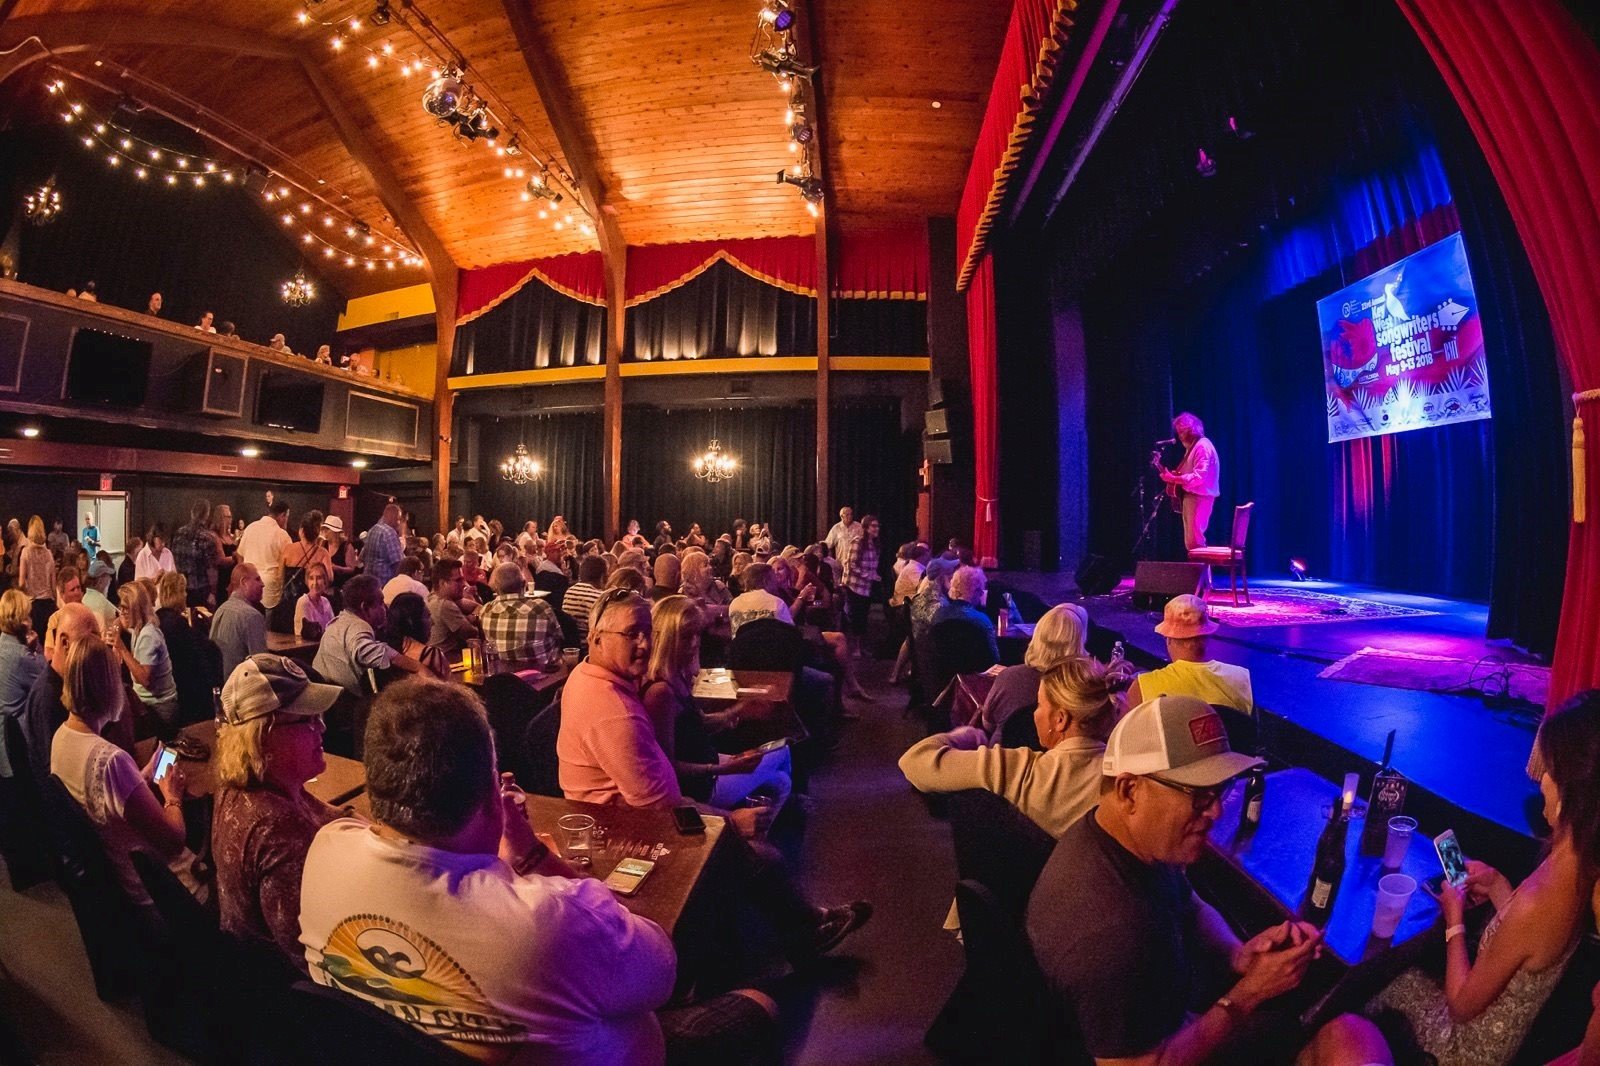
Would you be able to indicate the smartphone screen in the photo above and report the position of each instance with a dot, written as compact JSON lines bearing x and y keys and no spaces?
{"x":1450,"y":857}
{"x":772,"y":745}
{"x":628,"y":875}
{"x":164,"y":762}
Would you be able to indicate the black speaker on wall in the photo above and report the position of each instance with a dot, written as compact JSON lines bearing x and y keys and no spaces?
{"x":1096,"y":575}
{"x":1154,"y":583}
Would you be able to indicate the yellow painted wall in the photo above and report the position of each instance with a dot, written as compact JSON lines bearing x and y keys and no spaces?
{"x":408,"y":302}
{"x":412,"y":366}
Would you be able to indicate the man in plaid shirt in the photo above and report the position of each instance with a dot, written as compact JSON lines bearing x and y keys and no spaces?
{"x":859,"y":562}
{"x":196,"y":552}
{"x":518,"y":628}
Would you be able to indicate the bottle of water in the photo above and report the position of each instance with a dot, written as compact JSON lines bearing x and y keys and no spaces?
{"x":216,"y":704}
{"x":1011,"y":610}
{"x":1119,"y":652}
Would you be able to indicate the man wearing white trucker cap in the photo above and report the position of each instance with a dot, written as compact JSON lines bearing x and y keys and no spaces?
{"x":1127,"y":947}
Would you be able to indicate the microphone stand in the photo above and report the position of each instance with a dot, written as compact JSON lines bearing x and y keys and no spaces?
{"x":1148,"y":510}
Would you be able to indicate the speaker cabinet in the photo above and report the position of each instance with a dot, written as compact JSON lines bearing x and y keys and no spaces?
{"x":1154,"y":583}
{"x":1096,"y":575}
{"x":214,"y":384}
{"x":937,"y":450}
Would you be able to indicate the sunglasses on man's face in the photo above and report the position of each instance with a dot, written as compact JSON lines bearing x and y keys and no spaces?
{"x":1200,"y":799}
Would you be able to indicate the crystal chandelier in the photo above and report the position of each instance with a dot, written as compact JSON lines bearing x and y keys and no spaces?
{"x":298,"y":290}
{"x":520,"y":467}
{"x":713,"y":466}
{"x":43,"y":204}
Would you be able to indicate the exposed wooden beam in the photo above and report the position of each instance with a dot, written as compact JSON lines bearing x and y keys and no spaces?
{"x":85,"y":31}
{"x":812,"y":14}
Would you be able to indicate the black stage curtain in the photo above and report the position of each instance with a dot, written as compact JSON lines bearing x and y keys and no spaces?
{"x":569,"y":445}
{"x":873,"y":466}
{"x":211,"y":249}
{"x":777,"y":452}
{"x":722,"y":312}
{"x":878,"y":327}
{"x":536,"y":328}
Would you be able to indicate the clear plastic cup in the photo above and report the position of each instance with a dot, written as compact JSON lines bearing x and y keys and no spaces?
{"x":577,"y":838}
{"x":570,"y":656}
{"x":1401,"y":827}
{"x":1394,"y":892}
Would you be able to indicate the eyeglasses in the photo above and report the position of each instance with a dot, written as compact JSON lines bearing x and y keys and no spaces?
{"x":633,"y":635}
{"x":1201,"y":799}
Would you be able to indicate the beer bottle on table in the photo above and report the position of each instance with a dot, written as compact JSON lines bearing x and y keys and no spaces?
{"x":1255,"y":792}
{"x":1328,"y":870}
{"x":1388,"y":799}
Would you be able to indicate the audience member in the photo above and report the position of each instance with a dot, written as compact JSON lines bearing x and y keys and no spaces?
{"x":343,"y":555}
{"x":127,"y":570}
{"x":238,"y":628}
{"x":45,"y":711}
{"x":663,"y":535}
{"x":628,"y":578}
{"x":94,"y":593}
{"x":108,"y":784}
{"x":313,"y":611}
{"x":196,"y":551}
{"x":406,"y":579}
{"x":518,"y":628}
{"x":1485,"y":1004}
{"x":1060,"y":634}
{"x":146,"y":657}
{"x":550,"y":575}
{"x":840,"y":533}
{"x":263,"y":545}
{"x":88,"y":292}
{"x":324,"y":356}
{"x":154,"y":558}
{"x":581,"y":596}
{"x":88,"y":536}
{"x":1186,"y":626}
{"x":451,"y":626}
{"x":381,"y":553}
{"x":228,"y":330}
{"x":859,"y":559}
{"x":668,"y":576}
{"x":350,"y":647}
{"x":559,"y":970}
{"x":1123,"y":940}
{"x":20,"y":666}
{"x":204,"y":325}
{"x":757,"y":601}
{"x":407,"y":626}
{"x":268,"y":746}
{"x":975,"y":635}
{"x":57,"y":539}
{"x":36,"y":567}
{"x":69,"y":589}
{"x":192,"y":666}
{"x":279,"y":343}
{"x":153,"y":306}
{"x":700,"y":583}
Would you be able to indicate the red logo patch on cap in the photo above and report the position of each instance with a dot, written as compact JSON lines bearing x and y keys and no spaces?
{"x":1206,"y":729}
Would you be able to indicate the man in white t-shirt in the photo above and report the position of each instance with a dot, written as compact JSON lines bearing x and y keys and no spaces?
{"x":452,"y":916}
{"x":405,"y":581}
{"x":842,"y":531}
{"x":759,"y":602}
{"x":262,"y":545}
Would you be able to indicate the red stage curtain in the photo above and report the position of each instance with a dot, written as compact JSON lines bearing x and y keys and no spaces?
{"x":882,"y":264}
{"x":1528,"y":80}
{"x":787,"y":262}
{"x":580,"y":275}
{"x":1027,"y":63}
{"x":982,"y":352}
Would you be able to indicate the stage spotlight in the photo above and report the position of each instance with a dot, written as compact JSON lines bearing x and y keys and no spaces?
{"x":802,"y":132}
{"x":1239,"y":130}
{"x":1298,"y":569}
{"x":445,"y":94}
{"x":381,"y":14}
{"x":1205,"y":166}
{"x":778,"y":15}
{"x":810,"y":187}
{"x":782,"y":64}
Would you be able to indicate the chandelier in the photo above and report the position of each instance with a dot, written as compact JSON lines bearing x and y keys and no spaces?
{"x":298,"y":291}
{"x":713,"y":466}
{"x":520,"y":467}
{"x":43,"y":204}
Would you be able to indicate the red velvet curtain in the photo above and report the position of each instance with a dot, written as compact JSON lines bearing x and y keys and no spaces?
{"x":787,"y":262}
{"x":1027,"y":62}
{"x":1528,"y":80}
{"x":982,"y":355}
{"x":580,"y":275}
{"x":889,"y":264}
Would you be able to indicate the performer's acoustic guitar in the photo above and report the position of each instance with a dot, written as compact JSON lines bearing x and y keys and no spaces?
{"x":1175,"y":492}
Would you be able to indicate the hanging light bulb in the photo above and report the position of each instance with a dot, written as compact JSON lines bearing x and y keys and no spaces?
{"x":298,"y":290}
{"x":519,"y":467}
{"x":714,"y":466}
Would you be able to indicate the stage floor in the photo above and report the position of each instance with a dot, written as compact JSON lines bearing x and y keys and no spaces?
{"x":1465,"y":750}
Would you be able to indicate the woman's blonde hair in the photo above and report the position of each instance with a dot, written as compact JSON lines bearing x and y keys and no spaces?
{"x":242,"y":753}
{"x":1084,"y":688}
{"x":16,"y":613}
{"x":36,"y":530}
{"x":1060,"y":632}
{"x":674,"y":622}
{"x":136,"y":599}
{"x":92,"y":687}
{"x":173,"y":590}
{"x":697,"y":571}
{"x":740,"y":561}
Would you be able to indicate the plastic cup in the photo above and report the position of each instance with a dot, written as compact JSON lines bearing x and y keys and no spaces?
{"x":569,"y":656}
{"x":577,"y":837}
{"x":1401,"y":827}
{"x":1394,"y":892}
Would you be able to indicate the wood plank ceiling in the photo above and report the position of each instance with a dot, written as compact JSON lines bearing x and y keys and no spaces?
{"x":687,"y":134}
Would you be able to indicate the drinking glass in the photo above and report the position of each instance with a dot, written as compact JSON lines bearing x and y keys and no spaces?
{"x":569,"y":657}
{"x":1401,"y":827}
{"x":1394,"y":892}
{"x":577,"y":838}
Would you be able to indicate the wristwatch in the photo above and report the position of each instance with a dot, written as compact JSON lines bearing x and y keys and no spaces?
{"x":1235,"y":1013}
{"x":536,"y":855}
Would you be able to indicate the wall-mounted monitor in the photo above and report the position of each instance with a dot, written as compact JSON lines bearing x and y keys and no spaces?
{"x":286,"y":400}
{"x":107,"y":369}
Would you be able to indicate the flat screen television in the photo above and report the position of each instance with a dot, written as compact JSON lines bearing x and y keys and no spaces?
{"x":286,"y":400}
{"x":107,"y":370}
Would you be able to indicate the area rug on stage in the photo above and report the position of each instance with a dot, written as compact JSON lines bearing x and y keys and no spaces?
{"x":1437,"y":673}
{"x":1296,"y":607}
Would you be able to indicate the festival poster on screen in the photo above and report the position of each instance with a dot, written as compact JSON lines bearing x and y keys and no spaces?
{"x":1403,"y":348}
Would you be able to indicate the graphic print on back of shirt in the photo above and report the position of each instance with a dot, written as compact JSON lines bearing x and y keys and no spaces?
{"x":400,"y":971}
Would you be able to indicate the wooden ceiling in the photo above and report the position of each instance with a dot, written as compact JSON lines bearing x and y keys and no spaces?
{"x":685,"y":134}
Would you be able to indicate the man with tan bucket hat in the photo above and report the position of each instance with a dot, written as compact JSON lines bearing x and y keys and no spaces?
{"x":1188,"y":627}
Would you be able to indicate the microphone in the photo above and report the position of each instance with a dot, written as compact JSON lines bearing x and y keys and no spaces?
{"x":1169,"y":440}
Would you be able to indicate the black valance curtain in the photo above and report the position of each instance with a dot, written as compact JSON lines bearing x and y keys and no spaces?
{"x":535,"y":328}
{"x":569,"y":446}
{"x":872,"y":466}
{"x":878,"y":327}
{"x":777,"y":452}
{"x":210,"y":249}
{"x":722,"y":312}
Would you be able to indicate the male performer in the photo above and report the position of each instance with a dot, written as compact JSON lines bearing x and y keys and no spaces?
{"x":1197,"y":475}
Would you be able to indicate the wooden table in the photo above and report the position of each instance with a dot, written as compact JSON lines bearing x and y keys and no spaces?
{"x":1013,"y":644}
{"x":1273,"y":863}
{"x":292,"y":646}
{"x":766,"y":715}
{"x":677,"y":876}
{"x":340,"y":780}
{"x":540,"y":680}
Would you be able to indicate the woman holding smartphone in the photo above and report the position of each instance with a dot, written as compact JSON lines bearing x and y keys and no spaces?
{"x":1485,"y":1006}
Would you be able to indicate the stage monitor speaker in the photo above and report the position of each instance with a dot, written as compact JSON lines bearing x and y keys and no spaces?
{"x":1097,"y":575}
{"x":1154,"y":583}
{"x":214,"y":383}
{"x":937,"y":450}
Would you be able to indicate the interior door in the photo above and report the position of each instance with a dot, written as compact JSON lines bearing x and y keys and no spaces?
{"x":110,"y":511}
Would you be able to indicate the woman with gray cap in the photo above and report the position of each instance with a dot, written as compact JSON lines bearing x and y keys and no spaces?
{"x":268,"y":746}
